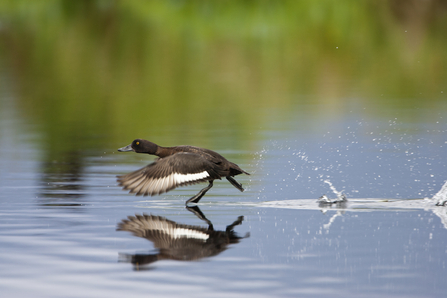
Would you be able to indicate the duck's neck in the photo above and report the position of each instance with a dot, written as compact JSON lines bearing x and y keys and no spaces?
{"x":164,"y":151}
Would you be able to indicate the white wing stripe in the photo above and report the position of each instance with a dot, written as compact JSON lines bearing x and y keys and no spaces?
{"x":169,"y":229}
{"x":182,"y":178}
{"x":151,"y":186}
{"x":156,"y":186}
{"x":179,"y":233}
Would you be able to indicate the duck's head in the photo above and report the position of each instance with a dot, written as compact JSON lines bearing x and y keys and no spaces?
{"x":140,"y":146}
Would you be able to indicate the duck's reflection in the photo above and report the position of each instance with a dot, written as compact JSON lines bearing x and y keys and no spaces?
{"x":176,"y":241}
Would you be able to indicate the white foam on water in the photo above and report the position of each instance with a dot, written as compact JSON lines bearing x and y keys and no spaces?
{"x":340,"y":196}
{"x":440,"y":198}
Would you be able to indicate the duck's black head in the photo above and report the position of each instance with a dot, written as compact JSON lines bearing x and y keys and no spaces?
{"x":140,"y":146}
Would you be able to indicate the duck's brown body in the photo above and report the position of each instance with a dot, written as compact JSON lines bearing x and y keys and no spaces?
{"x":226,"y":167}
{"x":177,"y":241}
{"x":177,"y":166}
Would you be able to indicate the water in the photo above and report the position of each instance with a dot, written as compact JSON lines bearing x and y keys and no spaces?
{"x":346,"y":101}
{"x":59,"y":233}
{"x":440,"y":198}
{"x":324,"y":200}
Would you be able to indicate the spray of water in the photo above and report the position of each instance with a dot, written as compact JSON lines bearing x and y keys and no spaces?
{"x":340,"y":196}
{"x":441,"y":197}
{"x":332,"y":219}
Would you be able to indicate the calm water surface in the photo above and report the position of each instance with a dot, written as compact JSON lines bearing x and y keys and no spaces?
{"x":301,"y":94}
{"x":59,"y":233}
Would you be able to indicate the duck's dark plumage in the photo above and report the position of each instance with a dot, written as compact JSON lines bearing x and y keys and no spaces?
{"x":177,"y":166}
{"x":177,"y":241}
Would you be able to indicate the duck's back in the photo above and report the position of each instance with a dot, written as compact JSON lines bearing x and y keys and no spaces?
{"x":205,"y":153}
{"x":212,"y":156}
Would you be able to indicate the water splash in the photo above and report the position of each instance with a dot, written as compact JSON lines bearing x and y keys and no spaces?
{"x":341,"y":198}
{"x":441,"y":197}
{"x":332,"y":219}
{"x":339,"y":194}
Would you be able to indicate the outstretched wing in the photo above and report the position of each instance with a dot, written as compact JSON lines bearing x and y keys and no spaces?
{"x":167,"y":173}
{"x":163,"y":232}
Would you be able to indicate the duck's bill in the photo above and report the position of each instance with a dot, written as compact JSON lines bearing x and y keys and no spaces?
{"x":125,"y":149}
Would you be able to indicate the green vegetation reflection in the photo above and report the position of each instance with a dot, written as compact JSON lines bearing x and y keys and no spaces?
{"x":90,"y":73}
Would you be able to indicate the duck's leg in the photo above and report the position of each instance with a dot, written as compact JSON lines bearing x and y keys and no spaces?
{"x":196,"y":210}
{"x":197,"y":197}
{"x":235,"y":183}
{"x":238,"y":221}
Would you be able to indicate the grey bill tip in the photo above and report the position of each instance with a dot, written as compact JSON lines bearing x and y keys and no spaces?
{"x":126,"y":149}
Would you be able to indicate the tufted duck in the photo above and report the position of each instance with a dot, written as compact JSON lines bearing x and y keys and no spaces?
{"x":177,"y":166}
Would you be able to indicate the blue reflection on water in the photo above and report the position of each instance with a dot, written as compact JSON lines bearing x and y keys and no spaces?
{"x":362,"y":159}
{"x":53,"y":244}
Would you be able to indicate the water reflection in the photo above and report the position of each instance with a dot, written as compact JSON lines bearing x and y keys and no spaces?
{"x":361,"y":205}
{"x":61,"y":179}
{"x":176,"y":241}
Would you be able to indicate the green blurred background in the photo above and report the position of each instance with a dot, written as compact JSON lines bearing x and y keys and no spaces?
{"x":88,"y":75}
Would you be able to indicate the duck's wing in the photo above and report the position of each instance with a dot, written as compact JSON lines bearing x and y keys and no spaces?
{"x":164,"y":233}
{"x":175,"y":241}
{"x":167,"y":173}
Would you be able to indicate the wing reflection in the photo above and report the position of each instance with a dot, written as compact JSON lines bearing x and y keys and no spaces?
{"x":176,"y":241}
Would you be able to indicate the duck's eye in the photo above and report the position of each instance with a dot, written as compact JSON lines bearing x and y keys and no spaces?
{"x":138,"y":143}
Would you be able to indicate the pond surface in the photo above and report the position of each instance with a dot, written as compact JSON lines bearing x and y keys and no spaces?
{"x":59,"y":233}
{"x":335,"y":98}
